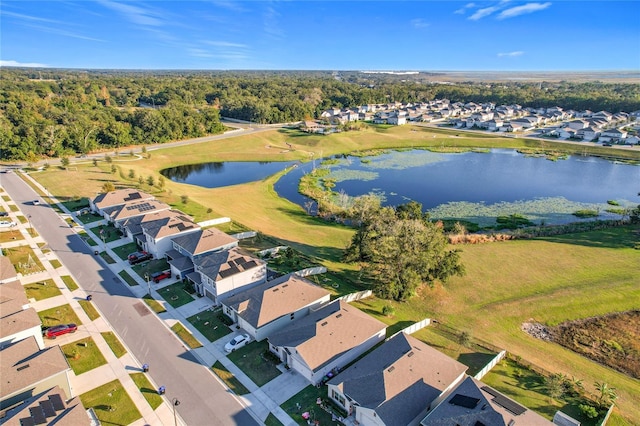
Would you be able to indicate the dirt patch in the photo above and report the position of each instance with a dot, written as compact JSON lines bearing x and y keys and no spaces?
{"x":612,"y":340}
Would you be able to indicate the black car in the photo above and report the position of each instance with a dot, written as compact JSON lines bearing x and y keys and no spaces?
{"x":138,"y":257}
{"x":3,"y":214}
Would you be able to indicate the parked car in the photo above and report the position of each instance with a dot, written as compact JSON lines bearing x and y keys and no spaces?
{"x":159,"y":276}
{"x":59,"y":330}
{"x":7,"y":224}
{"x":138,"y":257}
{"x":35,"y":202}
{"x":237,"y":343}
{"x":3,"y":214}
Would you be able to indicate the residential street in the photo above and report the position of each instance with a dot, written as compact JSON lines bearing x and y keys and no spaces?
{"x":203,"y":399}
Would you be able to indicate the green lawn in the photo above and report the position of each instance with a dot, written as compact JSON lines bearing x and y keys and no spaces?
{"x":116,"y":347}
{"x":89,"y":309}
{"x":89,"y":218}
{"x":149,"y":267}
{"x":56,"y":263}
{"x":76,"y":204}
{"x":209,"y":324}
{"x":251,"y":360}
{"x":127,"y":278}
{"x":87,"y":238}
{"x":62,"y":314}
{"x":272,"y":420}
{"x":22,"y":219}
{"x":112,"y":404}
{"x":306,"y":399}
{"x":123,"y":251}
{"x":109,"y":233}
{"x":69,"y":282}
{"x":42,"y":290}
{"x":153,"y":304}
{"x":14,"y":208}
{"x":8,"y":236}
{"x":147,"y":390}
{"x":83,"y":355}
{"x":186,"y":336}
{"x":23,"y":259}
{"x":107,"y":258}
{"x":230,"y":380}
{"x":175,"y":295}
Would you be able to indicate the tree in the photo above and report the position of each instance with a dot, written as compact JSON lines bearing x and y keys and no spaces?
{"x":555,"y":385}
{"x":132,"y":174}
{"x":114,"y":169}
{"x":108,"y":187}
{"x":95,"y":162}
{"x":464,"y":338}
{"x":402,"y":250}
{"x":606,"y":394}
{"x":161,"y":182}
{"x":64,"y":162}
{"x":150,"y":181}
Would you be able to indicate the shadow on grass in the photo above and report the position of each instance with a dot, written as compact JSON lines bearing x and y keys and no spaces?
{"x":620,"y":237}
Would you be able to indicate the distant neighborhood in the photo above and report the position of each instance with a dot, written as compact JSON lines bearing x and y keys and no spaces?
{"x":554,"y":122}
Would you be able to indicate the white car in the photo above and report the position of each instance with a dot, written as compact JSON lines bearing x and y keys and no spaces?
{"x":237,"y":343}
{"x":36,"y":202}
{"x":7,"y":224}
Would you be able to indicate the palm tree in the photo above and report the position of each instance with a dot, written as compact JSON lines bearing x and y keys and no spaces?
{"x":607,"y":395}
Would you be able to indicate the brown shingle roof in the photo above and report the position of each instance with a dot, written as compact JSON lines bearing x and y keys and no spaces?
{"x":23,"y":364}
{"x":282,"y":296}
{"x":13,"y":317}
{"x":120,"y":196}
{"x":223,"y":264}
{"x":204,"y":241}
{"x":71,"y":413}
{"x":169,"y":226}
{"x":137,"y":208}
{"x":7,"y":271}
{"x":328,"y":333}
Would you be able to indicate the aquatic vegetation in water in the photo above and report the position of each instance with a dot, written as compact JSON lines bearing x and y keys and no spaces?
{"x":347,"y":174}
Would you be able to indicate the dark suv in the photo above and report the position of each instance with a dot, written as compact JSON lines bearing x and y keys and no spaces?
{"x":138,"y":257}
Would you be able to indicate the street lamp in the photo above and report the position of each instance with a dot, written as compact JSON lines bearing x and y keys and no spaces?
{"x":146,"y":276}
{"x":30,"y":229}
{"x":175,"y":404}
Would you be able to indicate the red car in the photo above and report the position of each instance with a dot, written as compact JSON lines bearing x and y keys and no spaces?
{"x":59,"y":330}
{"x":159,"y":276}
{"x":139,"y":257}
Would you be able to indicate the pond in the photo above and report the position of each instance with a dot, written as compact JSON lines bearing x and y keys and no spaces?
{"x":218,"y":174}
{"x":474,"y":186}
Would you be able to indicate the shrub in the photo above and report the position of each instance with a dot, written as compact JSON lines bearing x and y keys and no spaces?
{"x":585,"y":213}
{"x":184,"y":199}
{"x":132,"y":174}
{"x":388,"y":310}
{"x":588,"y":411}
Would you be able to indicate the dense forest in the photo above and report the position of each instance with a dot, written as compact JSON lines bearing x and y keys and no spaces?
{"x":50,"y":113}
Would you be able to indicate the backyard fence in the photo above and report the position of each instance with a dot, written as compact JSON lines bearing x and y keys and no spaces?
{"x":352,"y":297}
{"x":311,"y":271}
{"x":216,"y":221}
{"x":417,"y":326}
{"x":480,"y":374}
{"x":271,"y":251}
{"x":243,"y":235}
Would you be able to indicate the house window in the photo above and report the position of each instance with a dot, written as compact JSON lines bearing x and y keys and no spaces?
{"x":292,"y":316}
{"x":338,"y":397}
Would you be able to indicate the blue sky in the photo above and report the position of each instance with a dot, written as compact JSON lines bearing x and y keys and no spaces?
{"x":322,"y":35}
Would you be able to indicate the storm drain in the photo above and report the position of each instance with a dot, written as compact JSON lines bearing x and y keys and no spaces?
{"x":141,"y":309}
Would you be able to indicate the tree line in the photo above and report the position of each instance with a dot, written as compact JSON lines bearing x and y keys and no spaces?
{"x":49,"y":112}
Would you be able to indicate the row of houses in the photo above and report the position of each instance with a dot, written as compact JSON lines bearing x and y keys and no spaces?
{"x":586,"y":125}
{"x":35,"y":384}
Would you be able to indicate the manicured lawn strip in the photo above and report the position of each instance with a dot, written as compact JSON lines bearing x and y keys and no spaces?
{"x":23,"y":259}
{"x":306,"y":400}
{"x":22,"y":219}
{"x":106,"y":257}
{"x":147,"y":390}
{"x":116,"y":347}
{"x":153,"y":304}
{"x":112,"y":404}
{"x":109,"y":234}
{"x":472,"y":355}
{"x":272,"y":420}
{"x":127,"y":278}
{"x":7,"y":236}
{"x":89,"y":309}
{"x":87,"y":238}
{"x":251,"y":360}
{"x":210,"y":325}
{"x":149,"y":267}
{"x":123,"y":251}
{"x":83,"y":358}
{"x":185,"y":336}
{"x":530,"y":275}
{"x":89,"y":218}
{"x":230,"y":380}
{"x":56,"y":263}
{"x":76,"y":204}
{"x":175,"y":295}
{"x":62,"y":314}
{"x":69,"y":282}
{"x":6,"y":198}
{"x":13,"y":208}
{"x":42,"y":290}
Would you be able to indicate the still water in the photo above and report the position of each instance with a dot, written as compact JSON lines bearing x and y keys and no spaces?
{"x":215,"y":175}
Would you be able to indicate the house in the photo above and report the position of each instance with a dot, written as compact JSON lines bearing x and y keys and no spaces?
{"x":311,"y":126}
{"x":118,"y":214}
{"x":117,"y":198}
{"x":399,"y":119}
{"x":27,"y":371}
{"x":187,"y":247}
{"x":612,"y":135}
{"x":588,"y":134}
{"x":132,"y":227}
{"x":396,"y":383}
{"x":271,"y":306}
{"x":326,"y":340}
{"x":48,"y":407}
{"x":473,"y":403}
{"x":223,"y":274}
{"x":18,"y":320}
{"x":632,"y":140}
{"x":577,"y":124}
{"x":158,"y":233}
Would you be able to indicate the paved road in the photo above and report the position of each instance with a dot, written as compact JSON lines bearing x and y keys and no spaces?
{"x":203,"y":400}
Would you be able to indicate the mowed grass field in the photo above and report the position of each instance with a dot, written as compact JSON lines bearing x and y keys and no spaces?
{"x":547,"y":280}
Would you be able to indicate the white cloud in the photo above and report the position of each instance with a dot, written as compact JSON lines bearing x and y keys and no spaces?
{"x":224,"y":44}
{"x":463,"y":9}
{"x":22,"y":64}
{"x":523,"y":10}
{"x":481,"y":13}
{"x":419,"y":23}
{"x":511,"y":54}
{"x":28,"y":17}
{"x":135,"y":14}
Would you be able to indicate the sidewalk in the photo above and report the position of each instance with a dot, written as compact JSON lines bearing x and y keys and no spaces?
{"x":260,"y":401}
